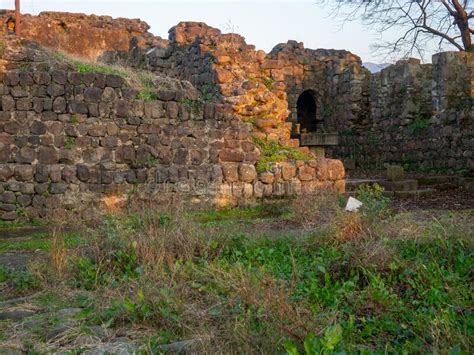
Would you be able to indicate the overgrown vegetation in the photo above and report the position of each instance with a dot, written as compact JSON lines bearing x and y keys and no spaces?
{"x":208,"y":93}
{"x":368,"y":282}
{"x":272,"y":151}
{"x":419,"y":124}
{"x":88,"y":67}
{"x":268,"y":82}
{"x":148,"y":91}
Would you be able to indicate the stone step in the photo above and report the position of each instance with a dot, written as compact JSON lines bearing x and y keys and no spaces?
{"x":414,"y":193}
{"x":353,"y":184}
{"x":22,"y":232}
{"x":437,"y":180}
{"x":403,"y":194}
{"x":404,"y":185}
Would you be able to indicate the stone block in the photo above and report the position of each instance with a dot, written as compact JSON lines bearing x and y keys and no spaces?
{"x":92,"y":94}
{"x":125,"y":154}
{"x":395,"y":173}
{"x":48,"y":155}
{"x":8,"y":197}
{"x":230,"y":172}
{"x":55,"y":90}
{"x":24,"y":200}
{"x":23,"y":173}
{"x":335,"y":169}
{"x":247,"y":173}
{"x":24,"y":104}
{"x":115,"y":81}
{"x":59,"y":76}
{"x":59,"y":105}
{"x":288,"y":171}
{"x":306,"y":173}
{"x":228,"y":155}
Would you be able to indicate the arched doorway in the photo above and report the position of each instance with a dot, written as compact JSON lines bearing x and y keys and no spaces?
{"x":306,"y":112}
{"x":10,"y":23}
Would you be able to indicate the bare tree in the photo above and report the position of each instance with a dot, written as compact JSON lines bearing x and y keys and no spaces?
{"x":419,"y":24}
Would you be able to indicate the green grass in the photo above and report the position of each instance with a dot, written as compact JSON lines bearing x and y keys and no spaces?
{"x":39,"y":241}
{"x":148,"y":91}
{"x":272,"y":151}
{"x":84,"y":67}
{"x":21,"y":224}
{"x":427,"y":283}
{"x":240,"y":214}
{"x":400,"y":284}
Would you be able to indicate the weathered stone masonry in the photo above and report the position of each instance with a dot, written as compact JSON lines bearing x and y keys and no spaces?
{"x":68,"y":139}
{"x":419,"y":115}
{"x":412,"y":114}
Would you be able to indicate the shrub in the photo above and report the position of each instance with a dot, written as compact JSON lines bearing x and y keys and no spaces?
{"x":375,"y":204}
{"x":317,"y":210}
{"x":272,"y":151}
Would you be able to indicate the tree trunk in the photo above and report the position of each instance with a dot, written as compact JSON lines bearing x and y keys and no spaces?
{"x":462,"y":21}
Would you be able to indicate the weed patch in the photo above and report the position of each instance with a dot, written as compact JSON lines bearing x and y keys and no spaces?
{"x":372,"y":281}
{"x":272,"y":152}
{"x":85,"y":67}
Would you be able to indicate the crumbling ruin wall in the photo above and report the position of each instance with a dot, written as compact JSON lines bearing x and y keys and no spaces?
{"x":409,"y":113}
{"x":88,"y":36}
{"x":68,"y":139}
{"x":335,"y":77}
{"x":420,"y":116}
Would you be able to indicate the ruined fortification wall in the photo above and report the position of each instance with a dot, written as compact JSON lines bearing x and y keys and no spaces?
{"x":420,"y":116}
{"x":409,"y":113}
{"x":263,"y":88}
{"x":88,"y":36}
{"x":334,"y":77}
{"x":71,"y":139}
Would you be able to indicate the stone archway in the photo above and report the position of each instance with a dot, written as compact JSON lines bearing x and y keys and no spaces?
{"x":10,"y":24}
{"x":306,"y":112}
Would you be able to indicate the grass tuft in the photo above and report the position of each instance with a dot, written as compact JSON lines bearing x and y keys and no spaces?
{"x":272,"y":151}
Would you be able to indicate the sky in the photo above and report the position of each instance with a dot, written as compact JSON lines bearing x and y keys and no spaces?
{"x":263,"y":23}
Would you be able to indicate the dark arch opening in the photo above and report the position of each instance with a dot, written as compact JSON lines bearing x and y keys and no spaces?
{"x":306,"y":112}
{"x":10,"y":25}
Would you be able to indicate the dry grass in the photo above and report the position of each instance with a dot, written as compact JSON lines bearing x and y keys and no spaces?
{"x":317,"y":210}
{"x":58,"y":252}
{"x":155,"y":268}
{"x":145,"y":82}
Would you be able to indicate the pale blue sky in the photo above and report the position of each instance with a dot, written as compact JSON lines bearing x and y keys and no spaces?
{"x":262,"y":22}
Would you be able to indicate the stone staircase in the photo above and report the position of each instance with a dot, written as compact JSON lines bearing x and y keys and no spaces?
{"x":414,"y":187}
{"x":402,"y":188}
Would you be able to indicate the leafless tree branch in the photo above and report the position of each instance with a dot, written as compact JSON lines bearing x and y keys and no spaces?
{"x":419,"y":22}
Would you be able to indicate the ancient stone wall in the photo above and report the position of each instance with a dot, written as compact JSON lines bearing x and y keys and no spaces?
{"x":83,"y":35}
{"x":409,"y":113}
{"x":420,"y":116}
{"x":69,"y":139}
{"x":334,"y":78}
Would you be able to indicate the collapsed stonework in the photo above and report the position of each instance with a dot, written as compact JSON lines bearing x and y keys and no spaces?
{"x":67,"y":136}
{"x":418,"y":115}
{"x":68,"y":139}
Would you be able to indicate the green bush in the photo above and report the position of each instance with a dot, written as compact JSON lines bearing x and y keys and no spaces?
{"x":375,"y":204}
{"x":272,"y":151}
